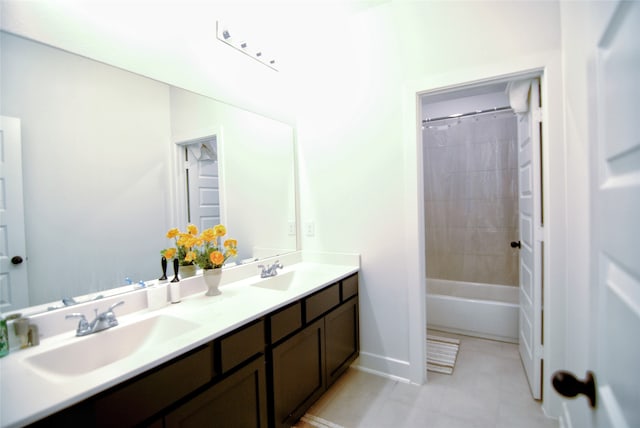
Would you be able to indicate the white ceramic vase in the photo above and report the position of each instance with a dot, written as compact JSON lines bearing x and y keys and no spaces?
{"x":212,"y":278}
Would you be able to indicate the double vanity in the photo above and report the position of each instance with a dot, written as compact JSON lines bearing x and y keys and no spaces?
{"x":258,"y":355}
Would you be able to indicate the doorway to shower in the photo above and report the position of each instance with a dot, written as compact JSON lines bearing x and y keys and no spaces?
{"x":481,"y":149}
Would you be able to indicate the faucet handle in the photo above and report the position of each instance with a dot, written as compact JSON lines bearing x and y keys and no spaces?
{"x":83,"y":324}
{"x":115,"y":305}
{"x":109,"y":316}
{"x":76,"y":315}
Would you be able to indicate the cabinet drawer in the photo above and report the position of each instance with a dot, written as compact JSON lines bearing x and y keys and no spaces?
{"x":349,"y":287}
{"x":241,"y":345}
{"x":286,"y":321}
{"x":144,"y":397}
{"x":322,"y":301}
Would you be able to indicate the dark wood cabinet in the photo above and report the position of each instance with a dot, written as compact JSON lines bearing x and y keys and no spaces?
{"x":241,"y":345}
{"x":237,"y":401}
{"x":298,"y":374}
{"x":141,"y":400}
{"x":264,"y":374}
{"x":136,"y":401}
{"x":342,"y":339}
{"x":308,"y":362}
{"x":285,"y":321}
{"x":321,"y":302}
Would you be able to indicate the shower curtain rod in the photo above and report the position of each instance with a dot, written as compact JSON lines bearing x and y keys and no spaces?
{"x":473,"y":113}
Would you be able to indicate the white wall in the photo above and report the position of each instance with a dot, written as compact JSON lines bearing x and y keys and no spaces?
{"x":355,"y":184}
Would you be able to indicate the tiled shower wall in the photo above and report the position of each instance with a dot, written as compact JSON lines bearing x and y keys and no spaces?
{"x":471,"y":199}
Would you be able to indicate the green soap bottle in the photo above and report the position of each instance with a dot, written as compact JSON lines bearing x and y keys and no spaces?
{"x":4,"y":338}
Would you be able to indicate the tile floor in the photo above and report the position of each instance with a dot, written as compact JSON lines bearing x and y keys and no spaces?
{"x":488,"y":388}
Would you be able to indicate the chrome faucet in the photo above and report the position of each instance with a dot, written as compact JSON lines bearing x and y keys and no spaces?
{"x":103,"y":321}
{"x":270,"y":271}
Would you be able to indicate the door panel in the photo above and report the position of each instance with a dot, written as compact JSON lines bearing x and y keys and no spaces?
{"x":14,"y":292}
{"x":204,"y":184}
{"x":529,"y":207}
{"x":206,"y":209}
{"x":616,"y":221}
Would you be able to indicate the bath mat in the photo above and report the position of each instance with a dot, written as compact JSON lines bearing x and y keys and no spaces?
{"x":309,"y":420}
{"x":441,"y":353}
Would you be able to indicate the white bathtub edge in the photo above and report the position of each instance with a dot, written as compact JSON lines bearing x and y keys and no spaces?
{"x":462,"y":310}
{"x":479,"y":334}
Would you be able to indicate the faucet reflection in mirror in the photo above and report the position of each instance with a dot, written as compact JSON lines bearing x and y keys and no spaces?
{"x":205,"y":250}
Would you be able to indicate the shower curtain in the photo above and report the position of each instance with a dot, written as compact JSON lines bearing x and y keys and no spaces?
{"x":471,"y":199}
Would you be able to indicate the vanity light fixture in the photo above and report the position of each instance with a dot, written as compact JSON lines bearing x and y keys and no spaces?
{"x":240,"y":44}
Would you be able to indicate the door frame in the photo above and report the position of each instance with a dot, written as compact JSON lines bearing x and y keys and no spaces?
{"x":535,"y":383}
{"x":553,"y":158}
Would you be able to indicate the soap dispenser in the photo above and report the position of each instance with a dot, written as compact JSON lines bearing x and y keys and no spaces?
{"x":4,"y":337}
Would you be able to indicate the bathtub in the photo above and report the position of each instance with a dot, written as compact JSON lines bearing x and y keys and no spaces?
{"x":473,"y":309}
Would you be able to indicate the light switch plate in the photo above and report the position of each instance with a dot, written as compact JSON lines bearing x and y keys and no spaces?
{"x":309,"y":228}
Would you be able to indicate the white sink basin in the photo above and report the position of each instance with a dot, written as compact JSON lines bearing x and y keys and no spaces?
{"x":81,"y":355}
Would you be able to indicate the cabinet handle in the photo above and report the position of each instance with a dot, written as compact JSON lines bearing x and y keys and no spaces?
{"x":515,"y":244}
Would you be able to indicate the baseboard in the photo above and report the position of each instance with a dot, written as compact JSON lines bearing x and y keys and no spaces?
{"x":383,"y":366}
{"x":565,"y":417}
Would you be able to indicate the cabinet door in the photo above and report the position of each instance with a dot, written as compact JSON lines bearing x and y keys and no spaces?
{"x":238,"y":401}
{"x":298,"y":374}
{"x":342,"y":339}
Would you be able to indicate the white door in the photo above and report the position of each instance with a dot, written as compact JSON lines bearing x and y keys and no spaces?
{"x":14,"y":292}
{"x":530,"y":223}
{"x":616,"y":221}
{"x":203,"y":185}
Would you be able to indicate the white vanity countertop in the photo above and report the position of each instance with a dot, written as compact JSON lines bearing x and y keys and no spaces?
{"x":28,"y":394}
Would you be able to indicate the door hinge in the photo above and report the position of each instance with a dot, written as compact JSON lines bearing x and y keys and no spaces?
{"x":538,"y":233}
{"x":536,"y":114}
{"x":539,"y":351}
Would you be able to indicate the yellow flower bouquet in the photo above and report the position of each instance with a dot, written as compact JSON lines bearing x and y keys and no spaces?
{"x":202,"y":249}
{"x":183,"y":241}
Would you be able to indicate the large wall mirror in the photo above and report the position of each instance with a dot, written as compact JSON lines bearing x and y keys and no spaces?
{"x":103,"y":170}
